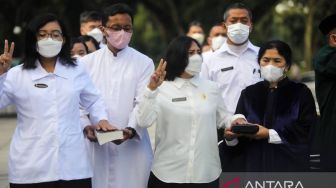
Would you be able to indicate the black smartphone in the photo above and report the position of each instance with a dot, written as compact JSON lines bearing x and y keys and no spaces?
{"x":245,"y":128}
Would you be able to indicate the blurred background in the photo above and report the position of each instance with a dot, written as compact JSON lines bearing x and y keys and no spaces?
{"x":158,"y":21}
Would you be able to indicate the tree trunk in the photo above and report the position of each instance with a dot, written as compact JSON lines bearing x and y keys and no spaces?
{"x":308,"y":35}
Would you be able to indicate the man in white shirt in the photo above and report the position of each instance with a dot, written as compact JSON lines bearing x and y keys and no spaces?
{"x":120,"y":73}
{"x":234,"y":66}
{"x":217,"y":37}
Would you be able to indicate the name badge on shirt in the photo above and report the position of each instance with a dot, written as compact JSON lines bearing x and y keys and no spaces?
{"x":41,"y":85}
{"x":227,"y":68}
{"x":179,"y":99}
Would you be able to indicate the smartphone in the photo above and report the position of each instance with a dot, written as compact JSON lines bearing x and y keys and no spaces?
{"x":245,"y":128}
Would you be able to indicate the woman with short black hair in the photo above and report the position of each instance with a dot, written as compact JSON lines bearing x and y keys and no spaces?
{"x":48,"y":148}
{"x":284,"y":112}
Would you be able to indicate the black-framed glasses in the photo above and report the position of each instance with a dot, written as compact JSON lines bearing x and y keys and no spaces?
{"x":56,"y":35}
{"x":126,"y":28}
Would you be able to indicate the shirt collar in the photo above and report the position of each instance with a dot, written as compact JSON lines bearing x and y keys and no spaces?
{"x":179,"y":82}
{"x":119,"y":54}
{"x":250,"y":46}
{"x":60,"y":70}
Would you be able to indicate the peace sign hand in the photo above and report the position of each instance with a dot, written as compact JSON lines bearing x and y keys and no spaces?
{"x":6,"y":57}
{"x":158,"y":76}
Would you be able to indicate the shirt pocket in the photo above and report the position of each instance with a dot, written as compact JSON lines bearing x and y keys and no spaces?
{"x":223,"y":75}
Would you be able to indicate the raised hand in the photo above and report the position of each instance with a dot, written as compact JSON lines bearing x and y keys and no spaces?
{"x":158,"y":76}
{"x":6,"y":57}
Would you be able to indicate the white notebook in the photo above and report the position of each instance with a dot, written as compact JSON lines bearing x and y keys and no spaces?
{"x":108,"y":136}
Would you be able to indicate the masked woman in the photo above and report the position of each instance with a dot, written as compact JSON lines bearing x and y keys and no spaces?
{"x":187,"y":111}
{"x":284,"y":112}
{"x":48,"y":147}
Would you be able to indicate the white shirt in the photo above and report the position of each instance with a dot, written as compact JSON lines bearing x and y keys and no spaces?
{"x":187,"y":114}
{"x":232,"y":72}
{"x":206,"y":55}
{"x":121,"y":79}
{"x":48,"y":142}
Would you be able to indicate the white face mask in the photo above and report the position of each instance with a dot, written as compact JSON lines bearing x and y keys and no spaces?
{"x":217,"y":42}
{"x":49,"y":47}
{"x":238,"y":33}
{"x":271,"y":73}
{"x":194,"y":64}
{"x":199,"y":37}
{"x":96,"y":34}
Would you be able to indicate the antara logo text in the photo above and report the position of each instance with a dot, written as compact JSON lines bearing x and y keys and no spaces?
{"x":274,"y":184}
{"x":264,"y":184}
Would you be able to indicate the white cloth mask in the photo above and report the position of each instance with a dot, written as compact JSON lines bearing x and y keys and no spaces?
{"x":49,"y":47}
{"x":199,"y":37}
{"x":96,"y":34}
{"x":194,"y":64}
{"x":271,"y":73}
{"x":238,"y":33}
{"x":217,"y":42}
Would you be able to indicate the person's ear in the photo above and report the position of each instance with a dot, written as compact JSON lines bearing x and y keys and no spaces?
{"x":332,"y":40}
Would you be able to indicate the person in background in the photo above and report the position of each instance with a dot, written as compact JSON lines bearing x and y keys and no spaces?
{"x":48,"y":89}
{"x":283,"y":110}
{"x":90,"y":42}
{"x":217,"y":37}
{"x":325,"y":73}
{"x":196,"y":32}
{"x":90,"y":21}
{"x":78,"y":48}
{"x":120,"y":73}
{"x":187,"y":111}
{"x":234,"y":65}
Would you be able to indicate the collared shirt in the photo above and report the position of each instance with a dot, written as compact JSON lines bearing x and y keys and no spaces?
{"x":232,"y":72}
{"x":48,"y":140}
{"x":121,"y":80}
{"x":187,"y":113}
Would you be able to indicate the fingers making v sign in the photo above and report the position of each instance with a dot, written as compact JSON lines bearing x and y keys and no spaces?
{"x":158,"y":76}
{"x":6,"y":57}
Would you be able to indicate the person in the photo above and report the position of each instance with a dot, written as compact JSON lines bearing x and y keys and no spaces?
{"x":120,"y":73}
{"x":186,"y":111}
{"x":217,"y":37}
{"x":90,"y":42}
{"x":196,"y":31}
{"x":90,"y":21}
{"x":284,"y":112}
{"x":78,"y":48}
{"x":325,"y":73}
{"x":234,"y":65}
{"x":48,"y":90}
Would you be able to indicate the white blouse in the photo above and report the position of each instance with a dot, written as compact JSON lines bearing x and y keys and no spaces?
{"x":187,"y":113}
{"x":48,"y":142}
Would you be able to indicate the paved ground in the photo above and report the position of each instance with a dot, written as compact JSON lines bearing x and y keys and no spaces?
{"x":7,"y":126}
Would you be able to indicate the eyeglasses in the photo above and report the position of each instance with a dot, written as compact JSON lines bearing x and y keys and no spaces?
{"x":126,"y":28}
{"x":56,"y":35}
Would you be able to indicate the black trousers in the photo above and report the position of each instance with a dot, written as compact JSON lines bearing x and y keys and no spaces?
{"x":81,"y":183}
{"x":154,"y":182}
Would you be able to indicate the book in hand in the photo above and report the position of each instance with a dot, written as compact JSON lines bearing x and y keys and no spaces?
{"x":108,"y":136}
{"x":245,"y":128}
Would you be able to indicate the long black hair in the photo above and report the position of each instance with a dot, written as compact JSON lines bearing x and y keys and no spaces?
{"x":31,"y":54}
{"x":177,"y":56}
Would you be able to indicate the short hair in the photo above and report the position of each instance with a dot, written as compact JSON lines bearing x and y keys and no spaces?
{"x":75,"y":40}
{"x":89,"y":16}
{"x":283,"y":49}
{"x":237,"y":6}
{"x":31,"y":54}
{"x":119,"y":8}
{"x":87,"y":38}
{"x":177,"y":56}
